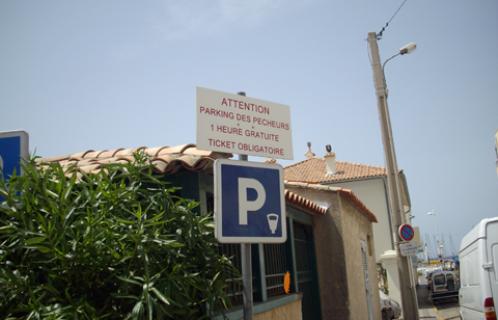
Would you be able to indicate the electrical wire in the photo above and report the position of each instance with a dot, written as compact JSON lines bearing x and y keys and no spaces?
{"x":379,"y":35}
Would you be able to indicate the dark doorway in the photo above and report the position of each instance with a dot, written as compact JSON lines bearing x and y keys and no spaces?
{"x":306,"y":271}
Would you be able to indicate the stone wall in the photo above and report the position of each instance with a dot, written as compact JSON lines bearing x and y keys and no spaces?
{"x":331,"y":265}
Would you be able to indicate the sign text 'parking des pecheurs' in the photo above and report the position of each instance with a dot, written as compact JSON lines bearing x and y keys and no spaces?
{"x":237,"y":124}
{"x":249,"y":202}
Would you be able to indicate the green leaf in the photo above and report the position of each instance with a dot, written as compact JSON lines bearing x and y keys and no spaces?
{"x":35,"y":240}
{"x":131,"y":281}
{"x":160,"y":296}
{"x":138,"y":310}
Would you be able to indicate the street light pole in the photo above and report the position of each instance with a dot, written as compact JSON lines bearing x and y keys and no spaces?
{"x":408,"y":292}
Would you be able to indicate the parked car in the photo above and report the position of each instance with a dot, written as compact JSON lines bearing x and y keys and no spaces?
{"x":479,"y":271}
{"x":390,"y":309}
{"x":443,"y":285}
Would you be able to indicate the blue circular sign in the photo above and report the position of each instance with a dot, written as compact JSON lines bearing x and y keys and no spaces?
{"x":406,"y":232}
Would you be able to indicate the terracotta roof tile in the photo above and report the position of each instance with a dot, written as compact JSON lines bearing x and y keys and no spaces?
{"x":106,"y":154}
{"x":99,"y":153}
{"x":165,"y":159}
{"x":342,"y":191}
{"x":84,"y":162}
{"x":196,"y":152}
{"x":125,"y":152}
{"x":303,"y":203}
{"x":160,"y":164}
{"x":122,"y":159}
{"x":56,"y":159}
{"x":90,"y":154}
{"x":80,"y":155}
{"x":153,"y":152}
{"x":314,"y":171}
{"x":181,"y":148}
{"x":89,"y":168}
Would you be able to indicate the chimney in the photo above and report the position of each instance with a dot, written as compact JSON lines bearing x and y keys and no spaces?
{"x":309,"y":154}
{"x":329,"y":161}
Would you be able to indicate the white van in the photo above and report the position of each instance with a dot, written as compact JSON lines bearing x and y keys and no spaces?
{"x":479,"y":271}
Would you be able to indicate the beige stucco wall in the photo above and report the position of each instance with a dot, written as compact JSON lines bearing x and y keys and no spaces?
{"x":338,"y":236}
{"x":373,"y":193}
{"x":329,"y":253}
{"x":357,"y":229}
{"x":290,"y":311}
{"x":331,"y":264}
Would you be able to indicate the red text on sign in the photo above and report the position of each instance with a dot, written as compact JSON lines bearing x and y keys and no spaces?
{"x":222,"y":143}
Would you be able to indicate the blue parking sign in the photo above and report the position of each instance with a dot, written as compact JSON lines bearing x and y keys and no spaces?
{"x":249,"y":202}
{"x":13,"y":148}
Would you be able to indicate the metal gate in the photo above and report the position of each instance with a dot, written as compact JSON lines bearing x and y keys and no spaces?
{"x":306,"y":271}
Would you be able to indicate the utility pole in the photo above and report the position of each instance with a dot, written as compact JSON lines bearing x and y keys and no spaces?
{"x":408,"y":292}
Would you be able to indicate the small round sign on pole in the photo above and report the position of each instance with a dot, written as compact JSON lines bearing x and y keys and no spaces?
{"x":406,"y":232}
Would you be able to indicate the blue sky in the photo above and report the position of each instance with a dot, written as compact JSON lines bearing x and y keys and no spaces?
{"x":81,"y":75}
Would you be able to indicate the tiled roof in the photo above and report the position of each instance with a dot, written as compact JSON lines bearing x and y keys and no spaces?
{"x":303,"y":203}
{"x":314,"y":171}
{"x":342,"y":191}
{"x":166,"y":160}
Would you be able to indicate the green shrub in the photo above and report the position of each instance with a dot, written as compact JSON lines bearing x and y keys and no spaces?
{"x":118,"y":244}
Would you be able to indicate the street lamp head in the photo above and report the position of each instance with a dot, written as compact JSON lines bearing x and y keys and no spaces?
{"x":404,"y":50}
{"x":408,"y":48}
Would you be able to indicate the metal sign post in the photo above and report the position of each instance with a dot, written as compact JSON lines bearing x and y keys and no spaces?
{"x":245,"y":253}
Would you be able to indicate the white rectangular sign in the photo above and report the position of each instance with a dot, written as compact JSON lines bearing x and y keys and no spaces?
{"x":408,"y":248}
{"x":237,"y":124}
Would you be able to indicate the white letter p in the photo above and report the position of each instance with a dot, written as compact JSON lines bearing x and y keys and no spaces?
{"x":244,"y":204}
